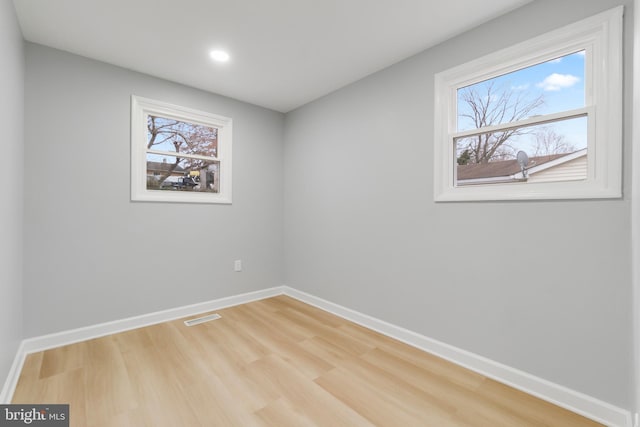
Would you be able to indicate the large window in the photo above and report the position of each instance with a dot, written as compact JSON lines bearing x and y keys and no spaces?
{"x":179,"y":154}
{"x":540,"y":120}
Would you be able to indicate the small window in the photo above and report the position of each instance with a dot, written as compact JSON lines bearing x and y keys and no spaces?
{"x":540,"y":120}
{"x":179,"y":154}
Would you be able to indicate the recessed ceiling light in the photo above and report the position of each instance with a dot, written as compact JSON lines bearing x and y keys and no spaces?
{"x":219,"y":55}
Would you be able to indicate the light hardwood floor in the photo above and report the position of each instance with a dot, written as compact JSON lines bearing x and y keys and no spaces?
{"x":275,"y":362}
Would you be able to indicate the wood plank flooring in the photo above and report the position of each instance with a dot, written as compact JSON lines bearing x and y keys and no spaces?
{"x":275,"y":362}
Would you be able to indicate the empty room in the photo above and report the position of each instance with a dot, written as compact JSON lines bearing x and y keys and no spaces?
{"x":320,"y":213}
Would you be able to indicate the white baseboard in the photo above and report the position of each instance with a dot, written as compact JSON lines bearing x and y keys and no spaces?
{"x":32,"y":345}
{"x":559,"y":395}
{"x":572,"y":400}
{"x":12,"y":378}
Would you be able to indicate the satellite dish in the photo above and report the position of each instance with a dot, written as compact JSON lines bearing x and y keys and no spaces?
{"x":523,"y":161}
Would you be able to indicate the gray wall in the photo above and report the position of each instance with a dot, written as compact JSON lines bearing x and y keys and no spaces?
{"x":635,"y":210}
{"x":11,"y":200}
{"x":92,"y":255}
{"x":362,"y":229}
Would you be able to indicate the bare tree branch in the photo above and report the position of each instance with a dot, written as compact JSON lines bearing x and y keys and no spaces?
{"x":487,"y":105}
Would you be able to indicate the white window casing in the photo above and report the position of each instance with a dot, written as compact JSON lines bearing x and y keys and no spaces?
{"x":600,"y":36}
{"x":141,"y":108}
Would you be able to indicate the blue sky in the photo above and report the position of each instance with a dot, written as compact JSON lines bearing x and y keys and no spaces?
{"x":561,"y":84}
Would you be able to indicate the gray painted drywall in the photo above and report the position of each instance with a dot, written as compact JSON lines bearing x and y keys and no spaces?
{"x":544,"y":287}
{"x":11,"y":143}
{"x":92,"y":255}
{"x":635,"y":211}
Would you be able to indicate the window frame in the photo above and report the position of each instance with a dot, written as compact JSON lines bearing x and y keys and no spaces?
{"x":601,"y":37}
{"x":141,"y":108}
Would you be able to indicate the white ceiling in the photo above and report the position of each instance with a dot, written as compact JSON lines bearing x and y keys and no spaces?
{"x":284,"y":53}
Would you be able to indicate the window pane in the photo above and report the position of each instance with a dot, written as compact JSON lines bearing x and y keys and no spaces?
{"x":181,"y":137}
{"x":549,"y":87}
{"x":556,"y":152}
{"x":180,"y":174}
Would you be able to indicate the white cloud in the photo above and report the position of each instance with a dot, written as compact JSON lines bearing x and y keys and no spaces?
{"x":556,"y":82}
{"x":520,"y":87}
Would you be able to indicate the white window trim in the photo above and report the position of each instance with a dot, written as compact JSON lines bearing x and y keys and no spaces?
{"x":601,"y":36}
{"x":140,"y":109}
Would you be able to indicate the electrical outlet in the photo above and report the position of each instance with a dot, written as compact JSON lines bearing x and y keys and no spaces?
{"x":237,"y":265}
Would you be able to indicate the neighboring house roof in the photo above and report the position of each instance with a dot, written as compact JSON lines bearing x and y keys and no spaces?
{"x":499,"y":168}
{"x":161,"y":167}
{"x":509,"y":170}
